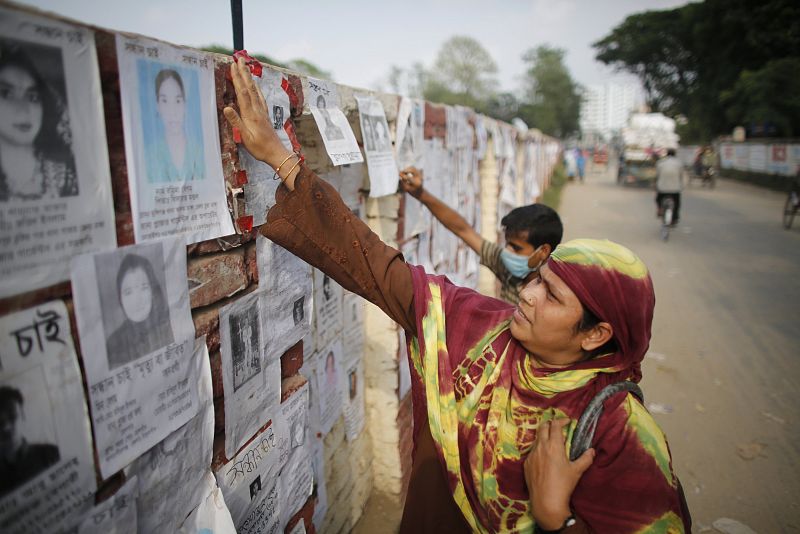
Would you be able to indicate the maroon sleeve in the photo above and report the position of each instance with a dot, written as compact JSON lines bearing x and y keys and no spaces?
{"x":313,"y":223}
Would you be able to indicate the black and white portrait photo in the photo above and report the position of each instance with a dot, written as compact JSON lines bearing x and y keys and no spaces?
{"x":133,"y":300}
{"x":36,"y":158}
{"x":331,"y":131}
{"x":245,"y":344}
{"x":368,"y":133}
{"x":255,"y":487}
{"x":327,"y":291}
{"x":277,"y":117}
{"x":352,"y":383}
{"x":297,"y":311}
{"x":298,"y":431}
{"x":27,"y":437}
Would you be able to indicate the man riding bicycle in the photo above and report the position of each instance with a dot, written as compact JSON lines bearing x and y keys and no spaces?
{"x":669,"y":183}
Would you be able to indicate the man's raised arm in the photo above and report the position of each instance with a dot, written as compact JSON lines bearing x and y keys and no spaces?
{"x":411,"y":183}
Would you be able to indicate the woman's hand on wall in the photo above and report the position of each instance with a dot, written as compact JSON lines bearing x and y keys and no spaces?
{"x":252,"y":120}
{"x":551,"y":477}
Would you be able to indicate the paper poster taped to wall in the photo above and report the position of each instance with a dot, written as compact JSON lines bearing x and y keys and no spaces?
{"x":212,"y":515}
{"x":298,"y":528}
{"x":404,"y":369}
{"x":296,"y":478}
{"x":171,"y":473}
{"x":115,"y":515}
{"x":295,"y":411}
{"x":382,"y":168}
{"x":55,"y":185}
{"x":47,"y":476}
{"x":323,"y":101}
{"x":171,"y":141}
{"x":318,"y":464}
{"x":296,"y":483}
{"x":251,"y":380}
{"x":353,"y":396}
{"x":285,"y":282}
{"x":259,"y":191}
{"x":348,"y":181}
{"x":329,"y":379}
{"x":137,"y":338}
{"x":327,"y":308}
{"x":249,"y":482}
{"x":353,"y":325}
{"x":410,"y":136}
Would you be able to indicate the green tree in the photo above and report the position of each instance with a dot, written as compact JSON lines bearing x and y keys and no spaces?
{"x":552,"y":99}
{"x":463,"y":73}
{"x":770,"y":95}
{"x":688,"y":58}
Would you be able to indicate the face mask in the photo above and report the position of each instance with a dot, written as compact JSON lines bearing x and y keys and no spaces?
{"x":517,"y":265}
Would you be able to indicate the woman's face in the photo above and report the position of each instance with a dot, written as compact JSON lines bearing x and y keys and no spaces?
{"x":20,"y":106}
{"x":136,"y":295}
{"x":171,"y":106}
{"x":544,"y":321}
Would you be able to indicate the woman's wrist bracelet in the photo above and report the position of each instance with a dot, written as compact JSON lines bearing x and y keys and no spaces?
{"x":275,"y":176}
{"x":300,"y":160}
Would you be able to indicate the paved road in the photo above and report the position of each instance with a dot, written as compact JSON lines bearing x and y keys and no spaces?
{"x":723,"y":369}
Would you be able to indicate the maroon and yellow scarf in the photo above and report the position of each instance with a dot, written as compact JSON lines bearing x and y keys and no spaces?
{"x":474,"y":385}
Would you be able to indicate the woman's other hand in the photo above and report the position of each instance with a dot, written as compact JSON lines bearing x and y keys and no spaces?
{"x":253,"y":122}
{"x":411,"y":181}
{"x":551,"y":477}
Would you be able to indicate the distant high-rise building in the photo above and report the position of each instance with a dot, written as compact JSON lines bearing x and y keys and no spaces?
{"x":606,"y":108}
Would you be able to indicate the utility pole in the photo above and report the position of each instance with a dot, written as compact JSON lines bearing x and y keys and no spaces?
{"x":238,"y":27}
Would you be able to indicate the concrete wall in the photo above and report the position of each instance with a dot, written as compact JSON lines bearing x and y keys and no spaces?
{"x":223,"y":270}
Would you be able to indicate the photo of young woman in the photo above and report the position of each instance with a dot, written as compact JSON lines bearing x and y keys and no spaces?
{"x":36,"y":159}
{"x":138,"y":306}
{"x":171,"y":123}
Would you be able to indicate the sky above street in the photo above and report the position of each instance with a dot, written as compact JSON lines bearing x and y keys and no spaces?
{"x":358,"y":40}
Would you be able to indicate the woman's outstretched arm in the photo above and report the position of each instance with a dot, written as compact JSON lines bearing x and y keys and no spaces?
{"x":311,"y":220}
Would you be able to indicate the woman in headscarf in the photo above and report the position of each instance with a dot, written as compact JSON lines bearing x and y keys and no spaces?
{"x":146,"y":325}
{"x":492,"y":384}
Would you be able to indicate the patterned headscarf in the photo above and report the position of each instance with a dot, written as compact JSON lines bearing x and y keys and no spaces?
{"x":483,"y":399}
{"x":613,"y":283}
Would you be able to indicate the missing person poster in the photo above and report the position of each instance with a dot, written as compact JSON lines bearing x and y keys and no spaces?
{"x":251,"y":380}
{"x":47,"y":476}
{"x":297,"y":477}
{"x":259,"y":191}
{"x":327,"y":308}
{"x":55,"y":185}
{"x":171,"y":141}
{"x":382,"y":168}
{"x":353,"y":397}
{"x":328,"y":375}
{"x":249,"y":481}
{"x":323,"y":101}
{"x":171,"y":473}
{"x":115,"y":515}
{"x":410,"y":134}
{"x":285,"y":282}
{"x":353,"y":325}
{"x":137,"y":338}
{"x":320,"y":488}
{"x":212,"y":515}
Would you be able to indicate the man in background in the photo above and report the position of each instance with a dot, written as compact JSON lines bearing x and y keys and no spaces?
{"x":669,"y":182}
{"x":531,"y":232}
